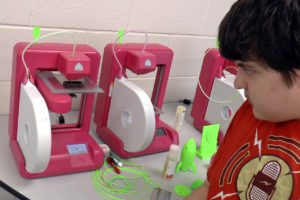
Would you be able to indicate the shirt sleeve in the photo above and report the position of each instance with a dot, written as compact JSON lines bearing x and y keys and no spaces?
{"x":218,"y":154}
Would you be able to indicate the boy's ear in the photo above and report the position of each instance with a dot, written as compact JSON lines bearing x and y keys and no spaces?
{"x":297,"y":77}
{"x":297,"y":71}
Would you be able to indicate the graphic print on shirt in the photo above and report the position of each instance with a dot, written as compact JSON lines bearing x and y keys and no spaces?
{"x":259,"y":173}
{"x":268,"y":178}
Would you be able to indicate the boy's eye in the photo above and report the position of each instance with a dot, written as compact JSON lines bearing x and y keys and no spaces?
{"x":249,"y":70}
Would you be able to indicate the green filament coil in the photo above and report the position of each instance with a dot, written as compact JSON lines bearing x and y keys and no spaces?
{"x":132,"y":183}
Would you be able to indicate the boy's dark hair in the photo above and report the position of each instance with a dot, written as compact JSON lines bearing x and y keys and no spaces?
{"x":267,"y":30}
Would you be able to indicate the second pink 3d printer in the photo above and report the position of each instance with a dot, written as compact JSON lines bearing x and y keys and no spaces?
{"x":126,"y":118}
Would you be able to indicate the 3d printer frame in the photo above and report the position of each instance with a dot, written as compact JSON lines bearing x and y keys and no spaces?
{"x":164,"y":135}
{"x":44,"y":57}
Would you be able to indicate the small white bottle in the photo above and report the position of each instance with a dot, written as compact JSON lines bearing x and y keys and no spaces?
{"x":105,"y":149}
{"x":171,"y":162}
{"x":179,"y":117}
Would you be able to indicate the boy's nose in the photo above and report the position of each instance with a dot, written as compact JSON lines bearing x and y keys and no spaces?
{"x":239,"y":81}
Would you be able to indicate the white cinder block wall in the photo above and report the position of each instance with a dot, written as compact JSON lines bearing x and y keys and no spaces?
{"x":187,"y":27}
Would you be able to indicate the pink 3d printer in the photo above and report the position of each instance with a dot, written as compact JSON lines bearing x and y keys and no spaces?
{"x":216,"y":83}
{"x":53,"y":74}
{"x":126,"y":119}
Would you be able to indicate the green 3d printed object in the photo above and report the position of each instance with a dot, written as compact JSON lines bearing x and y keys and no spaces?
{"x":187,"y":157}
{"x":208,"y":141}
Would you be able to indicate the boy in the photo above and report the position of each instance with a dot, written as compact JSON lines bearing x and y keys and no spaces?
{"x":259,"y":157}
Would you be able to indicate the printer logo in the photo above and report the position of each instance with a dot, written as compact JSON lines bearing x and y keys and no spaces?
{"x":78,"y":67}
{"x":148,"y":63}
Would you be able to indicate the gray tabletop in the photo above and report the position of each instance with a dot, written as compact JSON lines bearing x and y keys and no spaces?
{"x":80,"y":185}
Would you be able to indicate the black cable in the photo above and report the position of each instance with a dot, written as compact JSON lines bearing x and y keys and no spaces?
{"x":186,"y":101}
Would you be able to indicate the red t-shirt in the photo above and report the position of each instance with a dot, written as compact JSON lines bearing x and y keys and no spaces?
{"x":257,"y":160}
